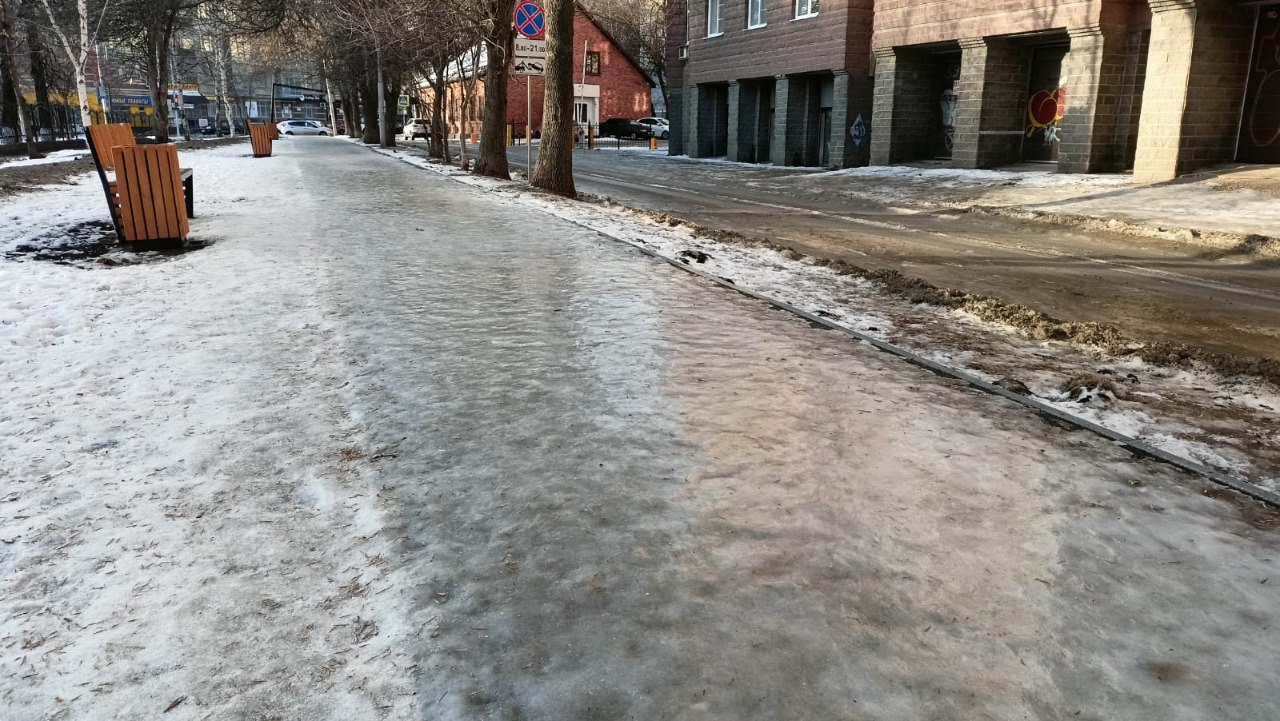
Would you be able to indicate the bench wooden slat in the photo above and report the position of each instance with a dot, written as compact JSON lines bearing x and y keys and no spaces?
{"x":151,"y":193}
{"x":103,"y":142}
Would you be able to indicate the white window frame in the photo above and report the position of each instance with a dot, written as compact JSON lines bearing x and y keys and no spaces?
{"x":759,"y":6}
{"x":715,"y":31}
{"x":806,"y":9}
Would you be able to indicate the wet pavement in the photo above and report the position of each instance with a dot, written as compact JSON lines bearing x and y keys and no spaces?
{"x":624,"y":493}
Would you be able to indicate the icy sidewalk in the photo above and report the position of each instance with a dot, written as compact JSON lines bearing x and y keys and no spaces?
{"x":1216,"y":208}
{"x":1226,"y":421}
{"x":392,"y":447}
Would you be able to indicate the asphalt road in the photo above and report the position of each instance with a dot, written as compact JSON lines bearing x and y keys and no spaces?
{"x":1152,"y":290}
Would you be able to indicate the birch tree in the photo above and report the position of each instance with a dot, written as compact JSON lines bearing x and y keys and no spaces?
{"x":86,"y":18}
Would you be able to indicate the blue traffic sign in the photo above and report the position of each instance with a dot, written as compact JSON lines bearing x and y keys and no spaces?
{"x":530,"y":20}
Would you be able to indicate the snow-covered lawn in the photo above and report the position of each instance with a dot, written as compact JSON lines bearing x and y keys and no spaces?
{"x":181,"y":496}
{"x":56,"y":156}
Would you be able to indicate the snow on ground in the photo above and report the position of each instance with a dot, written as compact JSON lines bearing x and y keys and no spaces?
{"x":1181,"y":205}
{"x":56,"y":156}
{"x":1197,"y":415}
{"x":191,"y":523}
{"x":1214,"y":201}
{"x":128,"y":395}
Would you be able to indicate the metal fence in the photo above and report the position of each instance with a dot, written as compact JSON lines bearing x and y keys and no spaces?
{"x":592,"y":137}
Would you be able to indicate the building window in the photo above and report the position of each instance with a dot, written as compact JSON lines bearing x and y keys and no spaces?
{"x":806,"y":8}
{"x":755,"y":13}
{"x":715,"y":15}
{"x":593,"y":62}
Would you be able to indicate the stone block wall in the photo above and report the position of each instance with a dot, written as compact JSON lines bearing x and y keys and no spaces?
{"x":903,"y":108}
{"x":993,"y":91}
{"x":1196,"y":68}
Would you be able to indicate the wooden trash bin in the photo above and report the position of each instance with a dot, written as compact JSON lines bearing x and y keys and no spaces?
{"x":260,"y":139}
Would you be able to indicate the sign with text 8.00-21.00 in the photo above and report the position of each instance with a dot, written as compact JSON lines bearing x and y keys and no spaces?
{"x":530,"y":56}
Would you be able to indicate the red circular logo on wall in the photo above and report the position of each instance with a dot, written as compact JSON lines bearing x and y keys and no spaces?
{"x":1047,"y":106}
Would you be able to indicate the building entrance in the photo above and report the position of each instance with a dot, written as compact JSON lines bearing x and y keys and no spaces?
{"x":945,"y":94}
{"x":1046,"y":104}
{"x":1260,"y":122}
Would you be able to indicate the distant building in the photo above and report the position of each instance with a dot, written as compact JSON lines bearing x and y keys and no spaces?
{"x":609,"y":83}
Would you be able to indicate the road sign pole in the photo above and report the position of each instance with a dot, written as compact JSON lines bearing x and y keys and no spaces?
{"x":528,"y":129}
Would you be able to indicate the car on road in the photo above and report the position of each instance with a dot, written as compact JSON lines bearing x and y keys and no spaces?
{"x":417,"y":128}
{"x":303,"y":127}
{"x":657,"y":127}
{"x":623,"y":128}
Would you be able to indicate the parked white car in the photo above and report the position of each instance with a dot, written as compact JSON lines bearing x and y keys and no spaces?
{"x":417,"y":128}
{"x":303,"y":127}
{"x":658,"y":127}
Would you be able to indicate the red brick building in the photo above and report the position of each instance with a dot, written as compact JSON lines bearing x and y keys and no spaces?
{"x":608,"y":84}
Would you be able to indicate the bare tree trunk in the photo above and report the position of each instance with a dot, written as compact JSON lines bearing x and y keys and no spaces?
{"x":465,"y":85}
{"x":491,"y":157}
{"x":8,"y":46}
{"x":8,"y":111}
{"x":382,"y":96}
{"x":43,"y":115}
{"x":554,"y":169}
{"x":351,"y":110}
{"x":369,"y":108}
{"x":222,"y":59}
{"x":328,"y":95}
{"x":390,"y":92}
{"x":78,"y":54}
{"x":439,"y":145}
{"x":157,"y":48}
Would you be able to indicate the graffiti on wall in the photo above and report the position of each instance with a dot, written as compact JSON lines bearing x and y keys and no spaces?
{"x":1044,"y":110}
{"x":1262,"y":119}
{"x":950,"y":98}
{"x":858,"y":132}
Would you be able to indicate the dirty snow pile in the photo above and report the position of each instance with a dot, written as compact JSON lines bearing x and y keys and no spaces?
{"x":186,"y":520}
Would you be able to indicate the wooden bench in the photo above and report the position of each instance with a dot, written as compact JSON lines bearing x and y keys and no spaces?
{"x":103,"y":139}
{"x":151,"y":193}
{"x":260,"y":138}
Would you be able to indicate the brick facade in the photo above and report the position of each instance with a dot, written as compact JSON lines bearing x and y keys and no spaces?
{"x":789,"y":91}
{"x":1157,"y":87}
{"x":620,"y":90}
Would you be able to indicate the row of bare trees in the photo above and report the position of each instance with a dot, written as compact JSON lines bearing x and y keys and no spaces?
{"x":61,"y":36}
{"x":369,"y":51}
{"x":376,"y":50}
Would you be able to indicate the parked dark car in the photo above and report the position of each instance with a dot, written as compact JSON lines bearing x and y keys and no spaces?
{"x":623,"y":128}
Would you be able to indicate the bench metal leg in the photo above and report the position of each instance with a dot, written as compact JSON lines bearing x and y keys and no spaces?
{"x":189,"y":186}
